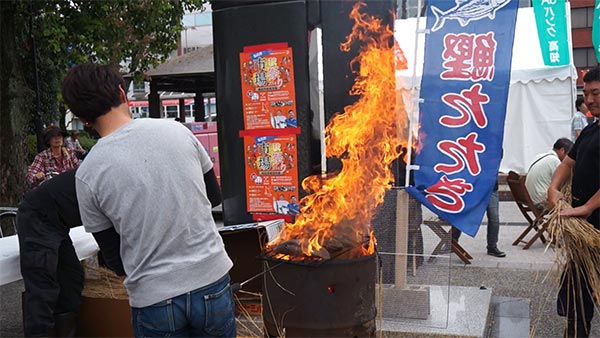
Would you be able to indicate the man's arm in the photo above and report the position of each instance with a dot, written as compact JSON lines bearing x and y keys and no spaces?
{"x":559,"y":178}
{"x":213,"y":191}
{"x":109,"y":242}
{"x":585,"y":210}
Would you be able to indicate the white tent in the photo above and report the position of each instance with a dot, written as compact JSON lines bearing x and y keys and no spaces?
{"x":540,"y":99}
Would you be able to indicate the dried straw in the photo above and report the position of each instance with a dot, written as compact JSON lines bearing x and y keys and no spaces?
{"x":577,"y":251}
{"x":103,"y":283}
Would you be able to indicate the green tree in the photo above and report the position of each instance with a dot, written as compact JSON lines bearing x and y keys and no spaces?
{"x":42,"y":39}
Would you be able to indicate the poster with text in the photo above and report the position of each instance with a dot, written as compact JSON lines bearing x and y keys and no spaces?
{"x":271,"y":174}
{"x":268,"y":93}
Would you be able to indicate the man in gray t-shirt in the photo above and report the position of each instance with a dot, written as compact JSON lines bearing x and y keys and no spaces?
{"x":146,"y":191}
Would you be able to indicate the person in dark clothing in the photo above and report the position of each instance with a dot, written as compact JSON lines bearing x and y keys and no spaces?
{"x":51,"y":271}
{"x":574,"y":299}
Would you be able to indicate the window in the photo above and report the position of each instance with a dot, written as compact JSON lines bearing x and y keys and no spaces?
{"x":171,"y":111}
{"x":409,"y":8}
{"x":584,"y":57}
{"x":582,"y":17}
{"x":189,"y":110}
{"x":210,"y":108}
{"x":139,"y":87}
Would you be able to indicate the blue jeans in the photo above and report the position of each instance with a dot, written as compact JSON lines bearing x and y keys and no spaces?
{"x":204,"y":312}
{"x":493,"y":217}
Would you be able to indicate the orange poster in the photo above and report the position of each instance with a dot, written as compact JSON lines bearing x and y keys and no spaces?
{"x":271,"y":174}
{"x":268,"y":93}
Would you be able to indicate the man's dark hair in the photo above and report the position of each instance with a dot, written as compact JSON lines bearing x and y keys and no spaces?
{"x":563,"y":143}
{"x":592,"y":75}
{"x":92,"y":90}
{"x":578,"y":103}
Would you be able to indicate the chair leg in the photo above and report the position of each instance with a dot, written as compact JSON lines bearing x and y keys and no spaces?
{"x":522,"y":235}
{"x":537,"y":235}
{"x":461,"y":252}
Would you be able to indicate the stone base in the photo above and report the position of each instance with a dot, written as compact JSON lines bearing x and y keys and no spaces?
{"x":409,"y":302}
{"x":455,"y":312}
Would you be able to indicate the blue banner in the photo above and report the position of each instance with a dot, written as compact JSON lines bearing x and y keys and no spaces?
{"x":466,"y":75}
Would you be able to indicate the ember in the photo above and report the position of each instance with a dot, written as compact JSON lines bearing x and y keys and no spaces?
{"x":334,"y":220}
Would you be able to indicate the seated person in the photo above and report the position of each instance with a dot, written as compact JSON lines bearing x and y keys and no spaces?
{"x":52,"y":161}
{"x":541,"y":170}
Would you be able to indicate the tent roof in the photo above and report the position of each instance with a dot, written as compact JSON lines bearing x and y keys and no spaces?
{"x":527,"y":62}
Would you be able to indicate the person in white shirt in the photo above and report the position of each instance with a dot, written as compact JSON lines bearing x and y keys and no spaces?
{"x":579,"y":120}
{"x":278,"y":121}
{"x":280,"y":205}
{"x":540,"y":171}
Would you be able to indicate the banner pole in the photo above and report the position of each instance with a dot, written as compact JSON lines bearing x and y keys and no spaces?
{"x":414,"y":107}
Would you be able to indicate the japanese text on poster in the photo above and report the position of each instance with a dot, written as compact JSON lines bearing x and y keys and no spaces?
{"x":268,"y":93}
{"x":271,"y":174}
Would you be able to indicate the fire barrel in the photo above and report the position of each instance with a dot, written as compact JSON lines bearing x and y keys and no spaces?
{"x":327,"y":298}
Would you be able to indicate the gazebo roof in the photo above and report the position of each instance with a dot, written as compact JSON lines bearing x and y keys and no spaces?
{"x":200,"y":61}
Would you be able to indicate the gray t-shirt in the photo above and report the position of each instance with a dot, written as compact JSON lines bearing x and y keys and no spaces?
{"x":147,"y":180}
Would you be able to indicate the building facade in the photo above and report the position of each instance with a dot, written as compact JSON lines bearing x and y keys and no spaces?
{"x":582,"y":17}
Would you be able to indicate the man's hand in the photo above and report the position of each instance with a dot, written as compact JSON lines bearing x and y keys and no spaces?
{"x":553,"y":197}
{"x":40,"y":176}
{"x":582,"y":211}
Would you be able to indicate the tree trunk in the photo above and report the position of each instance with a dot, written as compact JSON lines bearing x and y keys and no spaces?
{"x":15,"y":97}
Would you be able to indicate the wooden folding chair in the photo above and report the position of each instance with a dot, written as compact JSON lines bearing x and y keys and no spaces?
{"x":533,"y":215}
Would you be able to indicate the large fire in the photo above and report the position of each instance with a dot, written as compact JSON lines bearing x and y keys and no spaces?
{"x":335,"y":217}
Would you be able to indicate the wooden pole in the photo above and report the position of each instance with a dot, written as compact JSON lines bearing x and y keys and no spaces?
{"x":401,"y":237}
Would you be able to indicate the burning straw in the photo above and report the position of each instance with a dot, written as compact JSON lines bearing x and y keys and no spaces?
{"x":334,"y":220}
{"x":577,"y":253}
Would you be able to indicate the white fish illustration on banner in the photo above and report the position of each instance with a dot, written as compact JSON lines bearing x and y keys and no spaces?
{"x":466,"y":11}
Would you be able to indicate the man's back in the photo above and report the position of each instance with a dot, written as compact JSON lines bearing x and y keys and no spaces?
{"x":146,"y":179}
{"x":55,"y":200}
{"x":539,"y":176}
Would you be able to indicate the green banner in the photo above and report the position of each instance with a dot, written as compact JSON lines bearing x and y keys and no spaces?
{"x":596,"y":30}
{"x":551,"y":22}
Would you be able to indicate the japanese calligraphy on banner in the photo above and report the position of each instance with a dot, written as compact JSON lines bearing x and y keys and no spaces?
{"x":268,"y":93}
{"x":466,"y":74}
{"x":596,"y":30}
{"x":551,"y":23}
{"x":271,"y":174}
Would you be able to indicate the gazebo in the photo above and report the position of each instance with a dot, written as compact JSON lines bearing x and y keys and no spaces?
{"x":193,"y":72}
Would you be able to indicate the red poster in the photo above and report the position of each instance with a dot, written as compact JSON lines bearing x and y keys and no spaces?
{"x":271,"y":174}
{"x":268,"y":93}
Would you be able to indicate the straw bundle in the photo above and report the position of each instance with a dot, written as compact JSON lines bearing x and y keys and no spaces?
{"x":577,"y":254}
{"x":103,"y":283}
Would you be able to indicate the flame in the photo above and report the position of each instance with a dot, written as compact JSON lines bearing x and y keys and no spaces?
{"x":335,"y":217}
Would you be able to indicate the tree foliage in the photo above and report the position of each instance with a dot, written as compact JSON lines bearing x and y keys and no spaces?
{"x":133,"y":34}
